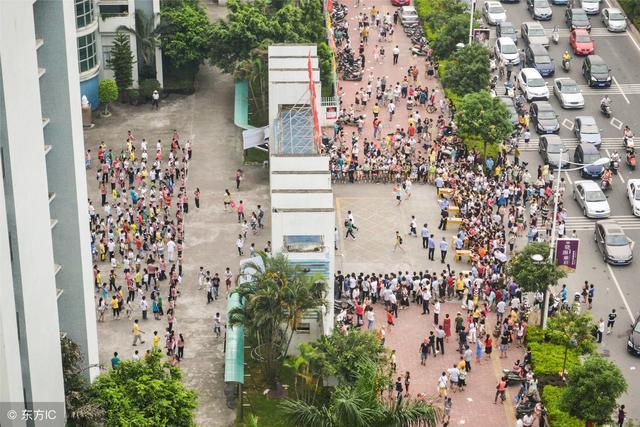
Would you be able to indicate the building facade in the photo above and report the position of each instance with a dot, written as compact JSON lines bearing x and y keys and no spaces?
{"x":46,"y":281}
{"x":302,"y":208}
{"x":97,"y":22}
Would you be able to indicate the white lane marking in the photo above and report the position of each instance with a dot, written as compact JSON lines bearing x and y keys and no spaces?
{"x":620,"y":89}
{"x":616,"y":123}
{"x":624,"y":300}
{"x":635,"y":43}
{"x":568,"y":178}
{"x":619,"y":171}
{"x":568,"y":124}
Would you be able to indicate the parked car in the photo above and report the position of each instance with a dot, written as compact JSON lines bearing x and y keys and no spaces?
{"x":400,"y":2}
{"x":591,"y":199}
{"x":613,"y":244}
{"x":581,"y":42}
{"x":590,"y":7}
{"x":508,"y":102}
{"x":559,"y":2}
{"x":633,"y":193}
{"x":614,"y":19}
{"x":596,"y":71}
{"x":553,"y":151}
{"x":536,"y":56}
{"x":540,"y":9}
{"x":543,"y":119}
{"x":506,"y":29}
{"x":506,"y":51}
{"x":587,"y":154}
{"x":633,"y":343}
{"x":587,"y":131}
{"x":568,"y":93}
{"x":493,"y":12}
{"x":533,"y":32}
{"x":531,"y":83}
{"x":577,"y":18}
{"x":408,"y":15}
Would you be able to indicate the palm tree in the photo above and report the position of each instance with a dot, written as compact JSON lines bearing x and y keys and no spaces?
{"x":274,"y":300}
{"x":146,"y":33}
{"x":254,"y":71}
{"x":358,"y":405}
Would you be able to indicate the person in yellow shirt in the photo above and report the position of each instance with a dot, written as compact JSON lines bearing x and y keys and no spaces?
{"x":137,"y":333}
{"x":114,"y":306}
{"x":155,"y":341}
{"x":376,"y":110}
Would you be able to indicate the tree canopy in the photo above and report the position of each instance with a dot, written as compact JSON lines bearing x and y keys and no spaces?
{"x":121,"y":61}
{"x":468,"y":69}
{"x":534,"y":276}
{"x":148,"y":392}
{"x":455,"y":30}
{"x":593,"y":389}
{"x":483,"y":116}
{"x":186,"y":34}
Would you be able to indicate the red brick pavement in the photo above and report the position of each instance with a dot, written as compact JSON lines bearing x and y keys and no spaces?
{"x":474,"y":406}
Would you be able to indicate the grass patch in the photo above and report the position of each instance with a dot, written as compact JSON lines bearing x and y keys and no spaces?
{"x":254,"y":155}
{"x":266,"y":410}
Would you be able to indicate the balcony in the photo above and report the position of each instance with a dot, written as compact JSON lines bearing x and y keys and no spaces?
{"x":115,"y":14}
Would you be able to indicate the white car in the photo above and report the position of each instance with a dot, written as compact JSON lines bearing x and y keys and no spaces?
{"x":614,"y":19}
{"x":590,"y":7}
{"x":408,"y":15}
{"x":633,"y":192}
{"x":532,"y":85}
{"x":591,"y":199}
{"x":568,"y":93}
{"x":506,"y":50}
{"x":494,"y":12}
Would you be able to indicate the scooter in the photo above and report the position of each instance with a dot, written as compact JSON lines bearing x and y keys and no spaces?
{"x":605,"y":184}
{"x":606,"y":110}
{"x":555,"y":36}
{"x":566,"y":65}
{"x":628,"y":142}
{"x":631,"y":159}
{"x":615,"y":165}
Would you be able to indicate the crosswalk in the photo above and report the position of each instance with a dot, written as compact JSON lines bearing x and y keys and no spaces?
{"x":571,"y":143}
{"x":626,"y":222}
{"x":619,"y":89}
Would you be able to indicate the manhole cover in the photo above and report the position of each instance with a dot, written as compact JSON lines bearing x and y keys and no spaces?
{"x":605,"y":353}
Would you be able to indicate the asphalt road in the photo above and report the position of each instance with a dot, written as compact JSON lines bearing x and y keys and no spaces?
{"x":616,"y":287}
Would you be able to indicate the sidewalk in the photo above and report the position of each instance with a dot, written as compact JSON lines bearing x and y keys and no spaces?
{"x":475,"y":405}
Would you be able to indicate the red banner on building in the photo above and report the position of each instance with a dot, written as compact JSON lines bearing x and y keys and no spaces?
{"x":314,"y":109}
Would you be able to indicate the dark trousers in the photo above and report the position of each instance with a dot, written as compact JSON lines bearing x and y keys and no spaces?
{"x":467,"y":365}
{"x":209,"y":296}
{"x":395,"y":58}
{"x":443,"y":255}
{"x":197,"y":203}
{"x":435,"y":318}
{"x":424,"y":242}
{"x":432,"y":253}
{"x":599,"y":336}
{"x":144,"y":314}
{"x":425,"y":307}
{"x":440,"y":345}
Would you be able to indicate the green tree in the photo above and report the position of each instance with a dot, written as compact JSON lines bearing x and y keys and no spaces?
{"x":483,"y":116}
{"x":185,"y":34}
{"x":121,"y":61}
{"x":359,"y":405}
{"x":144,"y":393}
{"x":80,"y":410}
{"x":593,"y":389}
{"x":571,"y":329}
{"x":107,"y":93}
{"x":441,"y":11}
{"x":454,"y":31}
{"x":274,"y":301}
{"x":468,"y":71}
{"x":146,"y":33}
{"x":254,"y":71}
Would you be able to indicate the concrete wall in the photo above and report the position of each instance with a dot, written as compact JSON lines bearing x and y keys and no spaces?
{"x":27,"y":206}
{"x":67,"y":176}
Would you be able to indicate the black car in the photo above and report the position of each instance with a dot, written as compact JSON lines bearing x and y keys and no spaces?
{"x":633,"y":343}
{"x":577,"y":18}
{"x":506,"y":29}
{"x":536,"y":56}
{"x":596,"y":71}
{"x":553,"y":151}
{"x":543,"y":118}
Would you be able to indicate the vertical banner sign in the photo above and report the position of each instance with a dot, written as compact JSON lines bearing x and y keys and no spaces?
{"x":567,"y":253}
{"x":314,"y":109}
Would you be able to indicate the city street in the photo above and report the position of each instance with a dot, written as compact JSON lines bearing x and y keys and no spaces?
{"x":616,"y":287}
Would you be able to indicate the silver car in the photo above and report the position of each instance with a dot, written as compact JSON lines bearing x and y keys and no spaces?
{"x":590,"y":7}
{"x":614,"y":19}
{"x":533,"y":33}
{"x":613,"y":244}
{"x":494,"y":12}
{"x":568,"y":93}
{"x":591,"y":199}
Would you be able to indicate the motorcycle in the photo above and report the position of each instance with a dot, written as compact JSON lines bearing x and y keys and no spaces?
{"x":606,"y":110}
{"x":555,"y":36}
{"x":605,"y":184}
{"x":628,"y":142}
{"x":566,"y":65}
{"x":631,"y":158}
{"x":615,"y":163}
{"x":418,"y":51}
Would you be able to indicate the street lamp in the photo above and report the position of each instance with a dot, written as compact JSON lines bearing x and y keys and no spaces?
{"x":556,"y":198}
{"x":473,"y":8}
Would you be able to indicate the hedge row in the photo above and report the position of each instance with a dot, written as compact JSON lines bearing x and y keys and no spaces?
{"x":551,"y":398}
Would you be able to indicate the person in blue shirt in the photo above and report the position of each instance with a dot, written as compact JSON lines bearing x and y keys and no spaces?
{"x":432,"y":247}
{"x":563,"y":294}
{"x":115,"y":360}
{"x":444,"y":246}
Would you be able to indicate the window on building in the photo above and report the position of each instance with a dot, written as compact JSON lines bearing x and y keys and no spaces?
{"x":84,"y":13}
{"x":109,"y":10}
{"x":301,"y":243}
{"x":106,"y":56}
{"x":87,"y":54}
{"x":303,"y":328}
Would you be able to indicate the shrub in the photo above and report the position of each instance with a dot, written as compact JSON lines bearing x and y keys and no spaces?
{"x":551,"y":399}
{"x":548,"y":358}
{"x":537,"y":334}
{"x":133,"y":95}
{"x":107,"y":93}
{"x":148,"y":86}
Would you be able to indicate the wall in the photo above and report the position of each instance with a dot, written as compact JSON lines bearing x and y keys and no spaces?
{"x":89,"y":88}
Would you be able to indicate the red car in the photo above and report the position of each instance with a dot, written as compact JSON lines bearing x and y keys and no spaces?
{"x":581,"y":42}
{"x":401,"y":2}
